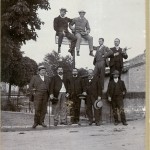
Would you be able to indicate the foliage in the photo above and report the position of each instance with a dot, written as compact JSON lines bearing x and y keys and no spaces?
{"x":53,"y":60}
{"x":19,"y":22}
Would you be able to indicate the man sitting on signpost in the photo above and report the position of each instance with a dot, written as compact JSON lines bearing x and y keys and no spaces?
{"x":61,"y":27}
{"x":82,"y":29}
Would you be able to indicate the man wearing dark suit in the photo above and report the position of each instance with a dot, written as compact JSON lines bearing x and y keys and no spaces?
{"x":116,"y":92}
{"x":93,"y":90}
{"x":102,"y":53}
{"x":116,"y":59}
{"x":61,"y":27}
{"x":40,"y":87}
{"x":76,"y":87}
{"x":60,"y":89}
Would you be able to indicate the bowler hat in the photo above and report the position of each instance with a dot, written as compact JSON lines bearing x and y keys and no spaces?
{"x":116,"y":72}
{"x":41,"y":67}
{"x":82,"y":11}
{"x":63,"y":9}
{"x":98,"y":104}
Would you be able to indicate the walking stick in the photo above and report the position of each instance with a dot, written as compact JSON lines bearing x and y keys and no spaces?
{"x":49,"y":104}
{"x":110,"y":112}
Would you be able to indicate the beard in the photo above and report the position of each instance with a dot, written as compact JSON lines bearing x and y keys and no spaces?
{"x":60,"y":73}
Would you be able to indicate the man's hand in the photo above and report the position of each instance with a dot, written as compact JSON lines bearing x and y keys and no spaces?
{"x":67,"y":95}
{"x":109,"y":98}
{"x":99,"y":98}
{"x":84,"y":93}
{"x":123,"y":93}
{"x":116,"y":54}
{"x":51,"y":96}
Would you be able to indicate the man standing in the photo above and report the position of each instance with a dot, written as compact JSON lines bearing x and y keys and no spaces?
{"x":76,"y":87}
{"x":102,"y":53}
{"x":60,"y":90}
{"x":40,"y":87}
{"x":61,"y":27}
{"x":82,"y":29}
{"x":116,"y":92}
{"x":93,"y":90}
{"x":116,"y":59}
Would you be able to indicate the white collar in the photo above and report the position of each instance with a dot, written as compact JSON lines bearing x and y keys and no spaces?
{"x":117,"y":47}
{"x":115,"y":80}
{"x":61,"y":16}
{"x":61,"y":76}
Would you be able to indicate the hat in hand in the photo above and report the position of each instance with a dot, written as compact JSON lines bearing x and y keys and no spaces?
{"x":98,"y":104}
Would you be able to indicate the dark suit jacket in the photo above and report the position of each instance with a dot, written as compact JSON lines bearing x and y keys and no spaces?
{"x":56,"y":85}
{"x":94,"y":88}
{"x":61,"y":24}
{"x":99,"y":53}
{"x":121,"y":56}
{"x":111,"y":87}
{"x":76,"y":85}
{"x":35,"y":84}
{"x":36,"y":81}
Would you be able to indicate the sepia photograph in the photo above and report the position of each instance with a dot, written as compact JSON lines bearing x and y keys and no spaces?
{"x":75,"y":75}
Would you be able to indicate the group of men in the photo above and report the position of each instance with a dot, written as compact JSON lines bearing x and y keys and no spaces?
{"x":81,"y":30}
{"x":59,"y":89}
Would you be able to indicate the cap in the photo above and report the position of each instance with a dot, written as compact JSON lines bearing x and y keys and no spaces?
{"x":82,"y":11}
{"x":41,"y":67}
{"x":116,"y":72}
{"x":63,"y":9}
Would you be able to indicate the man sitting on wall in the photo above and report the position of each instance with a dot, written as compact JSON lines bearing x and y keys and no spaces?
{"x":61,"y":27}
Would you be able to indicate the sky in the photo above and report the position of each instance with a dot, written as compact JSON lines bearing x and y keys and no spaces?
{"x":109,"y":19}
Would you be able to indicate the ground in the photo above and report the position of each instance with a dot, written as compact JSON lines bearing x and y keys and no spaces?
{"x":104,"y":137}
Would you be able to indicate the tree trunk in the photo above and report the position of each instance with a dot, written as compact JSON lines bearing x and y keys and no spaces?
{"x":9,"y":92}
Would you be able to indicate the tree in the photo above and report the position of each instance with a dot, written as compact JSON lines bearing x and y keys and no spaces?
{"x":53,"y":60}
{"x":27,"y":68}
{"x":19,"y":22}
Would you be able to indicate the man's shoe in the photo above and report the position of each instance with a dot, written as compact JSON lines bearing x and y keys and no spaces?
{"x":125,"y":123}
{"x":97,"y":124}
{"x":63,"y":123}
{"x":59,"y":50}
{"x":55,"y":123}
{"x":71,"y":52}
{"x":43,"y":125}
{"x":78,"y":54}
{"x":90,"y":123}
{"x":91,"y":53}
{"x":116,"y":123}
{"x":35,"y":125}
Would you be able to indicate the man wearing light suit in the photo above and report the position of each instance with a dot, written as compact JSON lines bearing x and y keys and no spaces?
{"x":60,"y":90}
{"x":102,"y":53}
{"x":40,"y":87}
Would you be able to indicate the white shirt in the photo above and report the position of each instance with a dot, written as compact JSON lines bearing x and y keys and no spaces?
{"x":117,"y":48}
{"x":115,"y":80}
{"x":42,"y":77}
{"x":101,"y":47}
{"x":63,"y":89}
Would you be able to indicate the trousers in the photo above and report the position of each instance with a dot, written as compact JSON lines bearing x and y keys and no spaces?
{"x":117,"y":104}
{"x":87,"y":37}
{"x":61,"y":108}
{"x":40,"y":105}
{"x":70,"y":37}
{"x":90,"y":108}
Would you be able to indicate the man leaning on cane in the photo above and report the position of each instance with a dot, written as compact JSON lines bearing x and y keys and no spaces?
{"x":40,"y":87}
